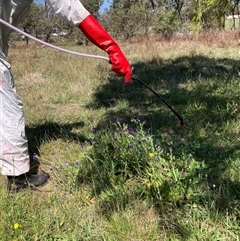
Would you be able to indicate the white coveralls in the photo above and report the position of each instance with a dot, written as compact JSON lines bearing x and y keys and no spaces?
{"x":14,"y":157}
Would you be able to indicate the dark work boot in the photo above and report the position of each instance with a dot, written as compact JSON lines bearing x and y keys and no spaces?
{"x":16,"y":183}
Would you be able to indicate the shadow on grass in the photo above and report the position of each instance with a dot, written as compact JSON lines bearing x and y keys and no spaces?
{"x":47,"y":132}
{"x":203,"y":90}
{"x":207,"y":107}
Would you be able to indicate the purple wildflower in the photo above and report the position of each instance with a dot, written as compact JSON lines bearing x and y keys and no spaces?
{"x":131,"y":146}
{"x":94,"y":130}
{"x":77,"y":162}
{"x":34,"y":156}
{"x":154,"y":159}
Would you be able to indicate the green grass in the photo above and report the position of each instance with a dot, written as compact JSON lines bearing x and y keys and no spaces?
{"x":101,"y":186}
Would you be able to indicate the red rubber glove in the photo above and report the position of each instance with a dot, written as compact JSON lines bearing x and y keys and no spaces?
{"x":101,"y":38}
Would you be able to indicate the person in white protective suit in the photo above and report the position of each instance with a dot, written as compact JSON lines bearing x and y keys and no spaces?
{"x":14,"y":156}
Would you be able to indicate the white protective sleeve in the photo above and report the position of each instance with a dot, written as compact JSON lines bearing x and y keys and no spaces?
{"x":71,"y":10}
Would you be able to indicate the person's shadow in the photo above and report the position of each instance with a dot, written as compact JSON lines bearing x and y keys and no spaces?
{"x":47,"y":132}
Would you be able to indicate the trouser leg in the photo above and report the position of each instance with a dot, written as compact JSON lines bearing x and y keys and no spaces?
{"x":14,"y":157}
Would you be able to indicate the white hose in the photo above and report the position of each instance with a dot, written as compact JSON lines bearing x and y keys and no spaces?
{"x":50,"y":45}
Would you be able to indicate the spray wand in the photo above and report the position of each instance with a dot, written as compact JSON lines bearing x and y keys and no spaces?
{"x":134,"y":77}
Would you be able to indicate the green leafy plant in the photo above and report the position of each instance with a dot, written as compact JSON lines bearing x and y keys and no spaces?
{"x":160,"y":170}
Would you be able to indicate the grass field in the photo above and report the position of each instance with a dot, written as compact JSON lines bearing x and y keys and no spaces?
{"x":120,"y":167}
